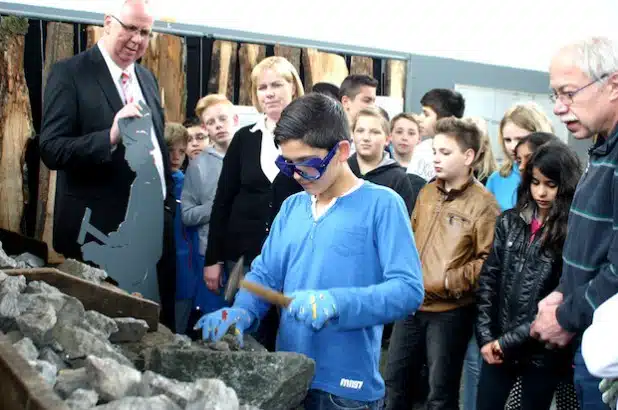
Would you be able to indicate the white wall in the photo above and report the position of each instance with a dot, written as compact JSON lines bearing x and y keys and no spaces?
{"x":521,"y":34}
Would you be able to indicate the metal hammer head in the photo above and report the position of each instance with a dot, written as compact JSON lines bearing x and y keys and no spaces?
{"x":233,"y":281}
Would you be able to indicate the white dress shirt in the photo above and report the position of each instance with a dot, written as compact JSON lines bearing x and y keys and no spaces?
{"x":268,"y":151}
{"x":136,"y":92}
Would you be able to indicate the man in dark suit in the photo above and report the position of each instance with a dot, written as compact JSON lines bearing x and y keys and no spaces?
{"x":84,"y":98}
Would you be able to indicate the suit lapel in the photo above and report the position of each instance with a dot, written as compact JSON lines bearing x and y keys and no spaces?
{"x":105,"y":80}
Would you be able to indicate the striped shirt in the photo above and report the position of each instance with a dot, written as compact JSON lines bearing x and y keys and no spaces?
{"x":590,"y":270}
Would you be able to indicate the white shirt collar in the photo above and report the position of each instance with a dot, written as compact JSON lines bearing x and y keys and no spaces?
{"x":113,"y":68}
{"x":260,"y":125}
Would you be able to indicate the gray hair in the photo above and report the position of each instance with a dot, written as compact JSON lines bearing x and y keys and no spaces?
{"x":595,"y":56}
{"x":116,"y":7}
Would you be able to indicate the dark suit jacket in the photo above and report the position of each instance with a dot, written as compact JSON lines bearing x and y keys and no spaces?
{"x":79,"y":106}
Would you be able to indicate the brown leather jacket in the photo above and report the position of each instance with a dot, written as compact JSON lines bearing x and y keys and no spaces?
{"x":454,"y":232}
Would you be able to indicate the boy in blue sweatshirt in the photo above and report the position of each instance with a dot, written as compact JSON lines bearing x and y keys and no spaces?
{"x":343,"y":250}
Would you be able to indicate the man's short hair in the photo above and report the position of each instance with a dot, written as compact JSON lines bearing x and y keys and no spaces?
{"x":445,"y":102}
{"x":350,"y":87}
{"x":175,"y":133}
{"x":206,"y":102}
{"x":326,"y":88}
{"x":466,"y":133}
{"x":316,"y":119}
{"x":192,"y":122}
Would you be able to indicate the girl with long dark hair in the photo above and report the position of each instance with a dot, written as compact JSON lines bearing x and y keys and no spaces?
{"x":523,"y":267}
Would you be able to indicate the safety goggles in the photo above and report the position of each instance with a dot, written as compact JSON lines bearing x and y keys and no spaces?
{"x":311,"y":169}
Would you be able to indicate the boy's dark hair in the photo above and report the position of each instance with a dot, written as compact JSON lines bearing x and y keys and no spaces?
{"x":445,"y":102}
{"x":316,"y":119}
{"x":351,"y":85}
{"x":535,"y":140}
{"x":466,"y":133}
{"x":384,"y":114}
{"x":192,"y":122}
{"x":326,"y":88}
{"x":556,"y":161}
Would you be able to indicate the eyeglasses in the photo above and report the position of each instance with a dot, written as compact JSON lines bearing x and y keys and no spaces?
{"x":566,"y":98}
{"x":311,"y":169}
{"x":143,"y":32}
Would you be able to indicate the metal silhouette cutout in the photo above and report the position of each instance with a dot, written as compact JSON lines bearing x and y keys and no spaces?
{"x":130,"y":254}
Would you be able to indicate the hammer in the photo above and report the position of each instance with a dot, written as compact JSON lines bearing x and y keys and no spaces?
{"x":87,"y":227}
{"x":237,"y":280}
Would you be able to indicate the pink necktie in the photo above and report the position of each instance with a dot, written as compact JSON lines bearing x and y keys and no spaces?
{"x":125,"y":80}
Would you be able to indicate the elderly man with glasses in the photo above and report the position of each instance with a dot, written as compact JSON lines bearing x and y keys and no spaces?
{"x":84,"y":99}
{"x":584,"y":80}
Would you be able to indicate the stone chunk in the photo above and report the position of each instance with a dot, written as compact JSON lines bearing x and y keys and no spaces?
{"x":180,"y":392}
{"x":72,"y":313}
{"x":273,"y":381}
{"x":37,"y":323}
{"x":129,"y":330}
{"x":26,"y":349}
{"x":7,"y":262}
{"x":47,"y":370}
{"x":15,"y":284}
{"x":140,"y":403}
{"x":57,"y":300}
{"x":111,"y":380}
{"x":38,"y":286}
{"x":70,"y":380}
{"x":79,"y":343}
{"x":10,"y":309}
{"x":82,"y":399}
{"x":213,"y":394}
{"x":30,"y":260}
{"x":3,"y":276}
{"x":82,"y":270}
{"x":14,"y":336}
{"x":100,"y":323}
{"x":49,"y":355}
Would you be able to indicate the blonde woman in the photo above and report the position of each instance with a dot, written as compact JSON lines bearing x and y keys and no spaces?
{"x":518,"y":122}
{"x":242,"y":209}
{"x":486,"y":162}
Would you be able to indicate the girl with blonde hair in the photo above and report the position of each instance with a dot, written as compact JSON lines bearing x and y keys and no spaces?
{"x":518,"y":122}
{"x":486,"y":161}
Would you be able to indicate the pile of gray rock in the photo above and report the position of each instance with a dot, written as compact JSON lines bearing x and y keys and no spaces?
{"x":93,"y":361}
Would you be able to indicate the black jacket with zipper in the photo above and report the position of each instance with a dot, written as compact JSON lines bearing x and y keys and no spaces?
{"x":517,"y":274}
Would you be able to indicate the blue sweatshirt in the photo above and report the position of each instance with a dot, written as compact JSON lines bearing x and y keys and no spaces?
{"x":590,"y":253}
{"x":362,"y":250}
{"x":504,"y":188}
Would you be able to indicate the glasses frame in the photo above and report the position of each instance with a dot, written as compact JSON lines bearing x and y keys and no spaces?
{"x":566,"y":98}
{"x":319,"y":164}
{"x":143,"y":33}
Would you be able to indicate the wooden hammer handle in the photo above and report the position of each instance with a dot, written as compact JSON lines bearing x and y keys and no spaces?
{"x":276,"y":298}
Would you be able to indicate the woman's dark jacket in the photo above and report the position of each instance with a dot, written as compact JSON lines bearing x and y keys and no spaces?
{"x":515,"y":277}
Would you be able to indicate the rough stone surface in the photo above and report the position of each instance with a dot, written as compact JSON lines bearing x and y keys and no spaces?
{"x":140,"y":403}
{"x":111,"y":380}
{"x":3,"y":276}
{"x":129,"y":330}
{"x":15,"y":284}
{"x":82,"y":399}
{"x":69,"y":380}
{"x":37,"y":286}
{"x":219,"y":346}
{"x":250,"y":407}
{"x":139,"y":352}
{"x":182,"y":340}
{"x":47,"y":370}
{"x":7,"y":262}
{"x":81,"y":270}
{"x":213,"y":394}
{"x":49,"y":355}
{"x":154,"y":384}
{"x":26,"y":349}
{"x":37,"y":323}
{"x":100,"y":323}
{"x":79,"y":343}
{"x":14,"y":336}
{"x":270,"y":381}
{"x":30,"y":260}
{"x":72,"y":313}
{"x":10,"y":309}
{"x":57,"y":300}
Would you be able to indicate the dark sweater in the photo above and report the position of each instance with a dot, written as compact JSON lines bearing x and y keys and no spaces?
{"x":244,"y":203}
{"x":392,"y":175}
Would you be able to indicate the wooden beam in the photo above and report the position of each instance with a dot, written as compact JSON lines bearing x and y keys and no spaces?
{"x":59,"y":46}
{"x":292,"y":54}
{"x":166,"y":58}
{"x":108,"y":300}
{"x":22,"y":387}
{"x":93,"y":35}
{"x":361,"y":65}
{"x":323,"y":67}
{"x":15,"y":121}
{"x":396,"y":78}
{"x":248,"y":57}
{"x":223,"y":68}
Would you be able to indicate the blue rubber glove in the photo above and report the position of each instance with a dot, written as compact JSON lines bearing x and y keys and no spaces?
{"x":313,"y":307}
{"x":216,"y":324}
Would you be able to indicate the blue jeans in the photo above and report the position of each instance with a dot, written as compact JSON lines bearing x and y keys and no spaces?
{"x":321,"y":400}
{"x":586,"y":385}
{"x":471,"y":374}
